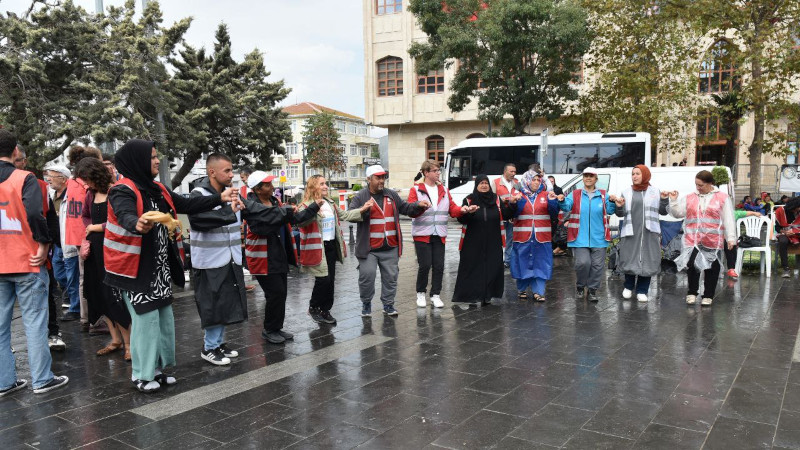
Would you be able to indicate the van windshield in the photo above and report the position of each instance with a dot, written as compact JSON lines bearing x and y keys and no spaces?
{"x":466,"y":163}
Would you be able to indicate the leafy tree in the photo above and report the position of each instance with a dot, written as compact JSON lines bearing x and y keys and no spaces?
{"x":731,"y":109}
{"x":323,"y":150}
{"x":516,"y":57}
{"x":227,"y":107}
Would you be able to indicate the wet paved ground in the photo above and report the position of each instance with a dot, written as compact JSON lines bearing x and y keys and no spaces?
{"x":571,"y":374}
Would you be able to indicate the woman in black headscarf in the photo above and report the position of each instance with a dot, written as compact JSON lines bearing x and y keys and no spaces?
{"x":480,"y":270}
{"x":142,"y":256}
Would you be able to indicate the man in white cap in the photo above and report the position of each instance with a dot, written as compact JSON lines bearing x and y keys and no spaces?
{"x":379,"y":243}
{"x":588,"y":234}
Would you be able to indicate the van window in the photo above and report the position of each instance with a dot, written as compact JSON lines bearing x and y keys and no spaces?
{"x":603,"y":181}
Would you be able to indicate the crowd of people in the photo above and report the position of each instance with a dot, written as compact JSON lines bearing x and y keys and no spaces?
{"x":109,"y":235}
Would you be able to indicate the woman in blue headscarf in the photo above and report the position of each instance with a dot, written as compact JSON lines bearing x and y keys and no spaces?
{"x":531,"y":254}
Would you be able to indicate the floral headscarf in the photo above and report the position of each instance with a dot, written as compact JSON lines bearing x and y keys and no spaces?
{"x":526,"y":180}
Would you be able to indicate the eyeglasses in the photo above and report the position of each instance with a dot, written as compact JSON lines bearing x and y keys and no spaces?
{"x":49,"y":177}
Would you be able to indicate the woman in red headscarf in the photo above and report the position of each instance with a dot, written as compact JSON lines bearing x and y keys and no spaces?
{"x":640,"y":243}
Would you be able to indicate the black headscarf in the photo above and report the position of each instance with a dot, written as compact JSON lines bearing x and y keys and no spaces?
{"x":133,"y":161}
{"x":484,"y":199}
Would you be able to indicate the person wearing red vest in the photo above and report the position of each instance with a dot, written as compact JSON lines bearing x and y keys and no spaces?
{"x":143,"y":258}
{"x":379,"y":242}
{"x":588,"y":234}
{"x":506,"y":187}
{"x":429,"y":230}
{"x":322,"y":244}
{"x":25,"y":241}
{"x":787,"y":221}
{"x":707,"y":227}
{"x":480,"y":267}
{"x":532,"y":251}
{"x":270,"y":249}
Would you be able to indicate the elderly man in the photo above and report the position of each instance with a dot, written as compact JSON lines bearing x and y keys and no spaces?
{"x":379,"y":243}
{"x":507,"y":187}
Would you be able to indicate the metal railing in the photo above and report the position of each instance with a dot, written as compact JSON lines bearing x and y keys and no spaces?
{"x":769,"y":176}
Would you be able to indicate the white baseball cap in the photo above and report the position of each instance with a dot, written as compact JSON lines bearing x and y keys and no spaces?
{"x":377,"y":169}
{"x":590,"y":170}
{"x":259,"y":176}
{"x":60,"y":169}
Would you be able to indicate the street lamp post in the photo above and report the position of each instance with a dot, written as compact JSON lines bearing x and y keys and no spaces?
{"x":303,"y":164}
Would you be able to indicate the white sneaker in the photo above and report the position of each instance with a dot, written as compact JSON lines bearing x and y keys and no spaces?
{"x":421,"y":303}
{"x":641,"y":297}
{"x":691,"y":299}
{"x":56,"y":343}
{"x":626,"y":293}
{"x":437,"y":302}
{"x":706,"y":301}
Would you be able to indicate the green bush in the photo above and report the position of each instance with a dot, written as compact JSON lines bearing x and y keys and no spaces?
{"x":720,"y":175}
{"x":356,"y":187}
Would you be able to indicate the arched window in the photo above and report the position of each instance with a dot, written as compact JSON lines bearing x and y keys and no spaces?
{"x":390,"y":76}
{"x":388,"y":6}
{"x":434,"y":148}
{"x":717,"y":72}
{"x":476,"y":135}
{"x":432,"y":83}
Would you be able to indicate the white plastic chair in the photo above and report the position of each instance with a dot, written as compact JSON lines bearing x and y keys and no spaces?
{"x":753,"y":227}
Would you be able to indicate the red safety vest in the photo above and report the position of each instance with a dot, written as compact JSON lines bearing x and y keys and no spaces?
{"x":121,"y":248}
{"x":45,"y":199}
{"x":704,"y":227}
{"x":534,"y":219}
{"x":16,"y":238}
{"x":382,"y":224}
{"x":501,"y":190}
{"x":502,"y":227}
{"x":75,"y":229}
{"x":573,"y":223}
{"x":257,"y":253}
{"x":792,"y":228}
{"x":311,"y":242}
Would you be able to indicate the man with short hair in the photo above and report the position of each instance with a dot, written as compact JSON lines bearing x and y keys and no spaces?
{"x":25,"y":241}
{"x":379,"y":242}
{"x":506,"y":187}
{"x":217,"y":262}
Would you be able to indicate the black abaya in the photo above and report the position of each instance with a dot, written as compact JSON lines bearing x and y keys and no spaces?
{"x":480,"y":269}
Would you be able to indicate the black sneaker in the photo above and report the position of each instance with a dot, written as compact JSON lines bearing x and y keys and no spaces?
{"x":286,"y":335}
{"x":228,"y":352}
{"x":215,"y":356}
{"x":316,"y":315}
{"x":592,"y":295}
{"x":70,"y":317}
{"x":579,"y":291}
{"x":327,"y":317}
{"x":55,"y":383}
{"x":273,"y":337}
{"x":19,"y":384}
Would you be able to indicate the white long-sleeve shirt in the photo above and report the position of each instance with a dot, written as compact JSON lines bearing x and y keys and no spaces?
{"x":677,"y":209}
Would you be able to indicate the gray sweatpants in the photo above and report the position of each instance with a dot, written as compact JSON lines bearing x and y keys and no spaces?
{"x":367,"y":268}
{"x":590,"y":265}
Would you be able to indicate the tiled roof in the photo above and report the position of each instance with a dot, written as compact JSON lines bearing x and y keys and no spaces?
{"x":307,"y":108}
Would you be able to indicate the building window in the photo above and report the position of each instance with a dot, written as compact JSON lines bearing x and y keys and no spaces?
{"x":310,"y":172}
{"x":293,"y":172}
{"x":431,"y":83}
{"x":340,"y":126}
{"x":388,"y":6}
{"x":293,"y":125}
{"x":291,"y":148}
{"x":363,"y":150}
{"x":476,"y":135}
{"x":362,"y":130}
{"x":717,"y":72}
{"x":353,"y":150}
{"x":353,"y":171}
{"x":276,"y":172}
{"x":352,"y":128}
{"x":434,"y":148}
{"x":390,"y":76}
{"x":709,"y":128}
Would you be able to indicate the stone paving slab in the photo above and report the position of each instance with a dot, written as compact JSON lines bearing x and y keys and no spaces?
{"x":567,"y":373}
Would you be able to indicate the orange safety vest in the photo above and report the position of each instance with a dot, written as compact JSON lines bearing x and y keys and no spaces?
{"x":75,"y":229}
{"x":382,"y":225}
{"x":704,"y":227}
{"x":121,"y":248}
{"x":535,"y":218}
{"x":311,"y":242}
{"x":502,"y":227}
{"x":257,"y":253}
{"x":501,"y":190}
{"x":573,"y":223}
{"x":16,"y":238}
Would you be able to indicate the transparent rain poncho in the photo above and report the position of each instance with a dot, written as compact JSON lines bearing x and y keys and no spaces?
{"x":693,"y":236}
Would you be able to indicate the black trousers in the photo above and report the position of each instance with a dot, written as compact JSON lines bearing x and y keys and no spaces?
{"x":322,"y":294}
{"x":730,"y":257}
{"x":711,"y":277}
{"x":52,"y":319}
{"x":274,"y":286}
{"x":430,"y":254}
{"x":783,"y":251}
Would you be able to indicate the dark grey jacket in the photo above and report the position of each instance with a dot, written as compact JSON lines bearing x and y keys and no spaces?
{"x":400,"y":207}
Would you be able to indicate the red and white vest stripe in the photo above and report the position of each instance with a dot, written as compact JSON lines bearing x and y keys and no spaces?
{"x":535,"y":218}
{"x":704,"y":227}
{"x":382,"y":225}
{"x":573,"y":223}
{"x":434,"y":218}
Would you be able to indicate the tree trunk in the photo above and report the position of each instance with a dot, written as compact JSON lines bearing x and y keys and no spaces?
{"x":755,"y":151}
{"x":186,"y":167}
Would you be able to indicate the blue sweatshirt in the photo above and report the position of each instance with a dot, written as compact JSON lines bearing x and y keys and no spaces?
{"x":591,"y":232}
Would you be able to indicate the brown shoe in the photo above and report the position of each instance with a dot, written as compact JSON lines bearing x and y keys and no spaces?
{"x":110,"y":348}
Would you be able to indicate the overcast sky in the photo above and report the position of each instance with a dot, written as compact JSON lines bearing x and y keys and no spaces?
{"x":315,"y":46}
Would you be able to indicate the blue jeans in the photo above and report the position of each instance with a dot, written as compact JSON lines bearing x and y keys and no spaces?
{"x":30,"y":289}
{"x":536,"y":284}
{"x":68,"y":275}
{"x":214,"y":337}
{"x":641,"y":287}
{"x":509,"y":242}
